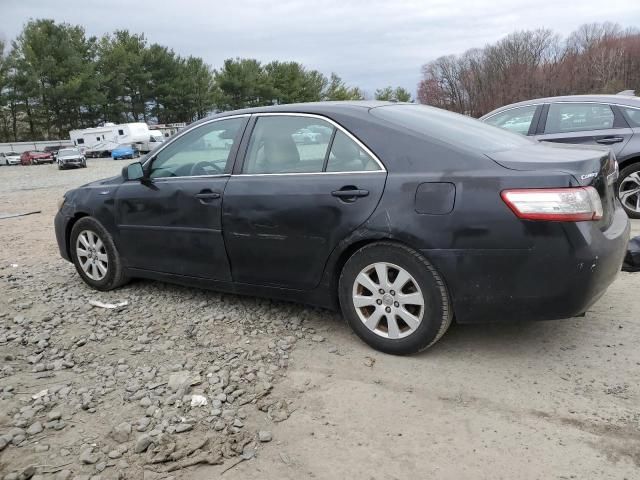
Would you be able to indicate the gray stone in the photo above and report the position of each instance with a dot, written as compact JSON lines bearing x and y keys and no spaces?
{"x":317,"y":338}
{"x":264,"y":436}
{"x":54,"y":415}
{"x":178,"y":380}
{"x":113,"y":454}
{"x":35,"y":428}
{"x":143,"y":443}
{"x":121,"y":432}
{"x":183,"y":427}
{"x":88,"y":457}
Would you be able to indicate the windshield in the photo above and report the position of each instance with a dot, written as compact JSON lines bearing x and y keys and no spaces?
{"x":68,"y":151}
{"x":451,"y":128}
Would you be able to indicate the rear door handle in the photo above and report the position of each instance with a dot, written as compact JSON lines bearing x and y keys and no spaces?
{"x":609,"y":140}
{"x":350,"y":193}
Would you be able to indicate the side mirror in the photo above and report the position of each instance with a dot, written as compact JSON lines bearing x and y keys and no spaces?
{"x":133,"y":171}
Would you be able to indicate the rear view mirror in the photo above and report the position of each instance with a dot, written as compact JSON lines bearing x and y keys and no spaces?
{"x":133,"y":171}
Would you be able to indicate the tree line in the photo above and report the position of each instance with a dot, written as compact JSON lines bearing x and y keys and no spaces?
{"x":596,"y":58}
{"x":54,"y":78}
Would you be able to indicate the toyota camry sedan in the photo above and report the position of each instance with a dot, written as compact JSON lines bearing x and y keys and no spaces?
{"x":404,"y":217}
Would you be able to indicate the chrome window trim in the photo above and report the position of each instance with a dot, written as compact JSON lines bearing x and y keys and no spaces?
{"x":335,"y":125}
{"x":563,"y":101}
{"x":514,"y":108}
{"x":187,"y":130}
{"x":165,"y":179}
{"x":305,"y":173}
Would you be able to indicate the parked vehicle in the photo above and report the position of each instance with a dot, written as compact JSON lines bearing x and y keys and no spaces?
{"x":9,"y":158}
{"x":124,"y":151}
{"x":100,"y":150}
{"x":104,"y":139}
{"x":53,"y":149}
{"x":609,"y":120}
{"x":399,"y":220}
{"x":152,"y":142}
{"x":34,"y":157}
{"x":71,"y":158}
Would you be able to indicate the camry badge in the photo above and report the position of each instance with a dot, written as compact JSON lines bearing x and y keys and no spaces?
{"x":589,"y":175}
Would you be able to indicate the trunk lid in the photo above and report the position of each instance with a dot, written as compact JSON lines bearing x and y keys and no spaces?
{"x":589,"y":166}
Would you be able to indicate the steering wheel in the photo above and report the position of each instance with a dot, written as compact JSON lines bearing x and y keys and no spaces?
{"x":199,"y":169}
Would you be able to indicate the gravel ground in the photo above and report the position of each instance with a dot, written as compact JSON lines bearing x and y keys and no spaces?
{"x":290,"y":392}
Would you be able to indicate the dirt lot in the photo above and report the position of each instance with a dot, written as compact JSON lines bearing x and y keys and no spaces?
{"x":291,"y":392}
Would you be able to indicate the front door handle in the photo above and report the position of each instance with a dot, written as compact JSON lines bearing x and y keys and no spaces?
{"x":207,"y":196}
{"x":609,"y":140}
{"x":350,"y":193}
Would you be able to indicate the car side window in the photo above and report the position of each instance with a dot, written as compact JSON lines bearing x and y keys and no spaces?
{"x":516,"y":120}
{"x":347,"y":156}
{"x":205,"y":150}
{"x":576,"y":117}
{"x":632,"y":115}
{"x":288,"y":144}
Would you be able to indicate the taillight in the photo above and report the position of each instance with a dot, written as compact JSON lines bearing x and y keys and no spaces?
{"x":574,"y":204}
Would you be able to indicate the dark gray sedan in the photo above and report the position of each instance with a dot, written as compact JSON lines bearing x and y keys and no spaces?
{"x":609,"y":120}
{"x":400,"y":215}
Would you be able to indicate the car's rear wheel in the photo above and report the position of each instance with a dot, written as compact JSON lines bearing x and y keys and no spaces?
{"x":95,"y":255}
{"x":394,"y":299}
{"x":629,"y":190}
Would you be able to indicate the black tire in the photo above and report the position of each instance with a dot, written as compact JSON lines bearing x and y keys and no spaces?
{"x":436,"y":316}
{"x":624,"y":173}
{"x":115,"y":276}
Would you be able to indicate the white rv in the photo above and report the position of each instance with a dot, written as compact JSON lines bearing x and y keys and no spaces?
{"x":111,"y":135}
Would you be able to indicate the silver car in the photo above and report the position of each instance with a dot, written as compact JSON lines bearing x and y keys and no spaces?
{"x":609,"y":120}
{"x":71,"y":158}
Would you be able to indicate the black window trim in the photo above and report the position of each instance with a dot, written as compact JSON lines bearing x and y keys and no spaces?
{"x":241,"y":158}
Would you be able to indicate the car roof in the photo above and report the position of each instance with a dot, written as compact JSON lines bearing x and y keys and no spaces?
{"x":625,"y":100}
{"x":320,"y":108}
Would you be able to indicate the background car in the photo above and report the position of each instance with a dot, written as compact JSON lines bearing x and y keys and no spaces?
{"x":124,"y":151}
{"x":53,"y":149}
{"x":71,"y":158}
{"x":607,"y":120}
{"x":34,"y":157}
{"x":9,"y":158}
{"x":399,"y":220}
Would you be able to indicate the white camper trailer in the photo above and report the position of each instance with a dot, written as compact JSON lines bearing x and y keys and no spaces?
{"x":106,"y":138}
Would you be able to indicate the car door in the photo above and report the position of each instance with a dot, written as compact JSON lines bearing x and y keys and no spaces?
{"x":291,"y":201}
{"x":586,"y":124}
{"x":170,"y":222}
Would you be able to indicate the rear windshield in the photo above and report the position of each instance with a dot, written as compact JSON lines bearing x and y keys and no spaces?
{"x":450,"y":127}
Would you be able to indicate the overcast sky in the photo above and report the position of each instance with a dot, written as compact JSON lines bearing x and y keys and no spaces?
{"x":370,"y":43}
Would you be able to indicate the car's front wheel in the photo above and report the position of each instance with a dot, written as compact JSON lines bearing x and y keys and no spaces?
{"x":394,"y":299}
{"x":95,"y":255}
{"x":629,"y":189}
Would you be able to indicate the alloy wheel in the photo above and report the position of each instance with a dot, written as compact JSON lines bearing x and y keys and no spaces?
{"x":629,"y":192}
{"x":388,"y":300}
{"x":92,"y":255}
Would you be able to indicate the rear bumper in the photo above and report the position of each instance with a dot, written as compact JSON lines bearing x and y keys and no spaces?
{"x":560,"y":277}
